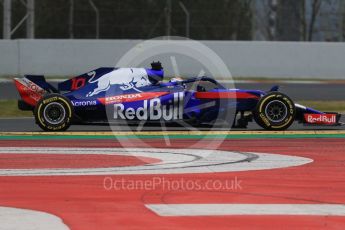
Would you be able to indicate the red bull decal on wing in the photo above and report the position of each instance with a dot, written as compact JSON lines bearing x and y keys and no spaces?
{"x":328,"y":119}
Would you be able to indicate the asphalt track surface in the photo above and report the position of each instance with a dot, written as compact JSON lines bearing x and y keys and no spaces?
{"x":297,"y":91}
{"x":299,"y":183}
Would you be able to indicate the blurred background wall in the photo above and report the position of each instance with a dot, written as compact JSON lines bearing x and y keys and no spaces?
{"x":244,"y":59}
{"x":255,"y":38}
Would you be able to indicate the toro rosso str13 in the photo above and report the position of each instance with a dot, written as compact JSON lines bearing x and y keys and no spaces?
{"x":139,"y":94}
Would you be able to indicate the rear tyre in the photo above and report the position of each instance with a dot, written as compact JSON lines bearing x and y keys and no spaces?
{"x":275,"y":111}
{"x":54,"y":112}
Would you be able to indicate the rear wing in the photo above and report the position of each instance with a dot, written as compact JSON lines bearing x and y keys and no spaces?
{"x":31,"y":88}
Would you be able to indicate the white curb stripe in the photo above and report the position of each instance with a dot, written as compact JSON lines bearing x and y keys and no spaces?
{"x":173,"y":161}
{"x":246,"y":209}
{"x":24,"y":219}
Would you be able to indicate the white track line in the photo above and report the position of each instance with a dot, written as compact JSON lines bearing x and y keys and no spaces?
{"x":173,"y":161}
{"x":24,"y":219}
{"x":246,"y":209}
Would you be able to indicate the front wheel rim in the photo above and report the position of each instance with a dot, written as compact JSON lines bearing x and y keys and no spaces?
{"x":276,"y":111}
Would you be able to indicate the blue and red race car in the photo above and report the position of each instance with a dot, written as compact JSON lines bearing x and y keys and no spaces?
{"x":140,"y":94}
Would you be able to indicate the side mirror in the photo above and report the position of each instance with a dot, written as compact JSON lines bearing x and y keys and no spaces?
{"x":274,"y":88}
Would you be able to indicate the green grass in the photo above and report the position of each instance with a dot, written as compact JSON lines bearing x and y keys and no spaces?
{"x":326,"y":106}
{"x":8,"y":108}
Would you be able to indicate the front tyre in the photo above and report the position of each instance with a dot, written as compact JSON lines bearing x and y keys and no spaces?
{"x":275,"y":111}
{"x":54,"y":112}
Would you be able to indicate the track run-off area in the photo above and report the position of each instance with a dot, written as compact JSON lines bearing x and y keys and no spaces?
{"x":172,"y":180}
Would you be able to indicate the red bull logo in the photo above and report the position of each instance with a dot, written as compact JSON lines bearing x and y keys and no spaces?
{"x":125,"y":78}
{"x":328,"y":119}
{"x":152,"y":110}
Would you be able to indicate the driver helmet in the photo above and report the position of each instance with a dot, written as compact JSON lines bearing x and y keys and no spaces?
{"x":176,"y":79}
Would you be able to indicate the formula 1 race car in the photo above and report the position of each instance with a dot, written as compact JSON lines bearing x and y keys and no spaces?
{"x":139,"y":94}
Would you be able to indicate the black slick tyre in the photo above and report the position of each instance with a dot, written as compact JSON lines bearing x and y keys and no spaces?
{"x":54,"y":112}
{"x":275,"y":111}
